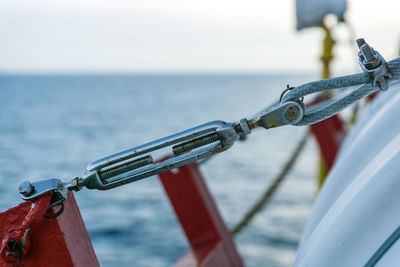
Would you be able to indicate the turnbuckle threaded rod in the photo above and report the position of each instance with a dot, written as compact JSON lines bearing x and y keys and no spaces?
{"x":195,"y":143}
{"x":124,"y":166}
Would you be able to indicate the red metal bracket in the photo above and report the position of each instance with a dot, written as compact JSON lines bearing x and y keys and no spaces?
{"x":62,"y":241}
{"x":329,"y":134}
{"x":17,"y":242}
{"x":210,"y":241}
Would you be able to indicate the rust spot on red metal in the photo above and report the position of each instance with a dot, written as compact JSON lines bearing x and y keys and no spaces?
{"x":62,"y":241}
{"x":16,"y":243}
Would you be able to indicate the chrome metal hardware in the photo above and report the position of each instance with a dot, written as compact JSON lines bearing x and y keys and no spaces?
{"x":289,"y":112}
{"x":203,"y":141}
{"x":34,"y":190}
{"x":137,"y":163}
{"x":372,"y":62}
{"x":184,"y":147}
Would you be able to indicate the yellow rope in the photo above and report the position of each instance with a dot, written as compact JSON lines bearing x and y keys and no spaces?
{"x":269,"y":192}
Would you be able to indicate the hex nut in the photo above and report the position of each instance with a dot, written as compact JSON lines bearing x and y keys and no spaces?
{"x":76,"y":184}
{"x":291,"y":113}
{"x":26,"y":188}
{"x":244,"y":125}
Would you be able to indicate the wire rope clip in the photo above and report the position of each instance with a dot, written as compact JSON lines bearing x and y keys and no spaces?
{"x":372,"y":62}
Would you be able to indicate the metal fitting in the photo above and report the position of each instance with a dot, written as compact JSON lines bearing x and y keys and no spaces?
{"x":367,"y":54}
{"x":244,"y":126}
{"x":26,"y":188}
{"x":373,"y":64}
{"x":292,"y":113}
{"x":30,"y":191}
{"x":76,"y":184}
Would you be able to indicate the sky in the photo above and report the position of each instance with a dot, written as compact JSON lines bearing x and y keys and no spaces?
{"x":181,"y":36}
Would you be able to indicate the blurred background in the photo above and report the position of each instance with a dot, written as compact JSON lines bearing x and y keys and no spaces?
{"x":80,"y":80}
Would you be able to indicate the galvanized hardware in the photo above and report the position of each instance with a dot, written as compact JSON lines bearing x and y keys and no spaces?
{"x":60,"y":189}
{"x":31,"y":191}
{"x":195,"y":143}
{"x":16,"y":241}
{"x":137,"y":163}
{"x":372,"y":62}
{"x":203,"y":141}
{"x":289,"y":112}
{"x":287,"y":89}
{"x":187,"y":146}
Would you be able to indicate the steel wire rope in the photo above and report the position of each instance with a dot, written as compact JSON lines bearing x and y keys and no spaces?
{"x":338,"y":105}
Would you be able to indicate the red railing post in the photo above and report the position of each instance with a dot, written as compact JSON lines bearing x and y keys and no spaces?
{"x":62,"y":241}
{"x":210,"y":241}
{"x":329,"y":134}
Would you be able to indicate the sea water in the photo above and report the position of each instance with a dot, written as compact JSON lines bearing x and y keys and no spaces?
{"x":53,"y":126}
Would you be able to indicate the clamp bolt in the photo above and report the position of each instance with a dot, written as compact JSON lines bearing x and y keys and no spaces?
{"x":292,"y":113}
{"x":367,"y":53}
{"x":26,"y":188}
{"x":374,"y":65}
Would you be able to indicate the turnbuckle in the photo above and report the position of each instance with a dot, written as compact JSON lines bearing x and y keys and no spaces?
{"x":186,"y":147}
{"x":137,"y":163}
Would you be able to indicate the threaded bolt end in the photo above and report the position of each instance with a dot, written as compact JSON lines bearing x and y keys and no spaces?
{"x":360,"y":42}
{"x":195,"y":143}
{"x":124,"y":166}
{"x":367,"y":52}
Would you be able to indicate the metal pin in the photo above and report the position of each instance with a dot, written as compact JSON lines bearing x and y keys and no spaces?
{"x":26,"y":188}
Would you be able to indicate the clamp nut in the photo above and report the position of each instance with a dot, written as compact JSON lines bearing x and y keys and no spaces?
{"x":244,"y":126}
{"x":292,"y":113}
{"x":76,"y":184}
{"x":26,"y":188}
{"x":367,"y":55}
{"x":374,"y":65}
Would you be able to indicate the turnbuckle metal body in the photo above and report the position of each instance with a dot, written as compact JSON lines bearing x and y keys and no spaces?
{"x":187,"y":146}
{"x":137,"y":163}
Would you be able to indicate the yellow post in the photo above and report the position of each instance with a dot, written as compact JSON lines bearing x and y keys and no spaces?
{"x":326,"y":59}
{"x":327,"y":52}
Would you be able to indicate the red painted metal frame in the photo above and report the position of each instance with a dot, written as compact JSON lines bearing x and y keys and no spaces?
{"x":62,"y":241}
{"x":329,"y":134}
{"x":210,"y":241}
